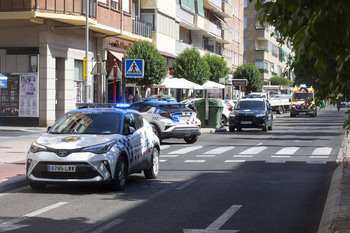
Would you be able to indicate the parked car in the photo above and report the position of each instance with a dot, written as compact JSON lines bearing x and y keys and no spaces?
{"x":251,"y":113}
{"x":170,"y":119}
{"x":94,"y":145}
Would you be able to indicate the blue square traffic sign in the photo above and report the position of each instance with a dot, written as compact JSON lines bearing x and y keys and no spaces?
{"x":134,"y":68}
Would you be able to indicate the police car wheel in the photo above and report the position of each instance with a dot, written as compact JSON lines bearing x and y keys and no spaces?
{"x":37,"y":186}
{"x":153,"y":171}
{"x":119,"y":181}
{"x":191,"y":139}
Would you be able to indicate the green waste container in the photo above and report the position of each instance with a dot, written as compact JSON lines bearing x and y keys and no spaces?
{"x":214,"y":114}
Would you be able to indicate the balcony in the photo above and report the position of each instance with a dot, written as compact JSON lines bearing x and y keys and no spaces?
{"x":68,"y":7}
{"x":142,"y":28}
{"x":214,"y":29}
{"x":261,"y":49}
{"x":199,"y":22}
{"x":219,"y":7}
{"x":180,"y":47}
{"x":187,"y":18}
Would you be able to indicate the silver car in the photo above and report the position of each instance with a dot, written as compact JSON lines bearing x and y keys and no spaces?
{"x":94,"y":146}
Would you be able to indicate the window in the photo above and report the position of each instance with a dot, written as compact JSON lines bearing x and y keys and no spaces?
{"x":129,"y":121}
{"x":78,"y":70}
{"x":126,"y":6}
{"x":103,"y":1}
{"x":245,"y":43}
{"x":139,"y":121}
{"x":245,"y":22}
{"x":262,"y":65}
{"x":115,"y":4}
{"x":245,"y":3}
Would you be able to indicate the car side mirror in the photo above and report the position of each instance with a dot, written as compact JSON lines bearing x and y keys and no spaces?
{"x":129,"y":130}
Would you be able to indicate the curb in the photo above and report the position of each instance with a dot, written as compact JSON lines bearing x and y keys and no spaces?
{"x":13,"y":183}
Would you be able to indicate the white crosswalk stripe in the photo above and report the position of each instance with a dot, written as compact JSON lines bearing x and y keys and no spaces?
{"x":219,"y":150}
{"x":287,"y":151}
{"x":322,"y":151}
{"x":253,"y":150}
{"x":186,"y":150}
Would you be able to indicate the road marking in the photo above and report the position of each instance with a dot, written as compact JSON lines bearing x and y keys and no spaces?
{"x":243,"y":156}
{"x":186,"y":184}
{"x":287,"y":151}
{"x":162,"y":160}
{"x":186,"y":150}
{"x":108,"y":226}
{"x":169,"y":156}
{"x":253,"y":150}
{"x":194,"y":161}
{"x":214,"y":227}
{"x":318,"y":157}
{"x":259,"y":144}
{"x":316,"y":162}
{"x":205,"y":156}
{"x":3,"y":194}
{"x":163,"y":147}
{"x":322,"y":151}
{"x":219,"y":150}
{"x":234,"y":161}
{"x":12,"y":224}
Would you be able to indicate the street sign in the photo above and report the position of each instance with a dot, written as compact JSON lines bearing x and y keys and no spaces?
{"x":239,"y":82}
{"x":134,"y":68}
{"x":3,"y":81}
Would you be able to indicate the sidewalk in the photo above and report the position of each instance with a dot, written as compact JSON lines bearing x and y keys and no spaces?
{"x":336,"y":214}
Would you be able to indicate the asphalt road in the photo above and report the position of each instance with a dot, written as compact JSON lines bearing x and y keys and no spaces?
{"x":249,"y":181}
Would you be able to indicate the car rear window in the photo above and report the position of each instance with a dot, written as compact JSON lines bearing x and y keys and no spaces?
{"x":175,"y":108}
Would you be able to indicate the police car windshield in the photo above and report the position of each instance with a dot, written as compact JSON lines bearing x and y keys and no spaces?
{"x":87,"y":123}
{"x":250,"y":105}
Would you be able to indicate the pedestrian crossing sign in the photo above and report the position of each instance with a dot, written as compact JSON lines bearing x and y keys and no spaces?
{"x":134,"y":68}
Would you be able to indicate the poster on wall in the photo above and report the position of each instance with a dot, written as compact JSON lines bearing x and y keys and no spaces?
{"x":9,"y":97}
{"x":28,"y":96}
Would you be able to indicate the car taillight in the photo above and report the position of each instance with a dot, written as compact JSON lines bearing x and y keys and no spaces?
{"x":165,"y":114}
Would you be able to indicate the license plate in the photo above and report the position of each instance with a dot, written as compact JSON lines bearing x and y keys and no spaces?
{"x":61,"y":168}
{"x":184,"y":117}
{"x":302,"y":113}
{"x":246,"y":122}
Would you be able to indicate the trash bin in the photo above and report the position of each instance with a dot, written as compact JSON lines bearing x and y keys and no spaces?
{"x":214,"y":114}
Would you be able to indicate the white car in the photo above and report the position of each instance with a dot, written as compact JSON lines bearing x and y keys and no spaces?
{"x":170,"y":119}
{"x":94,"y":145}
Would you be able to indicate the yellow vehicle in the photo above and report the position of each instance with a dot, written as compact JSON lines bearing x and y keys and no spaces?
{"x":303,"y":101}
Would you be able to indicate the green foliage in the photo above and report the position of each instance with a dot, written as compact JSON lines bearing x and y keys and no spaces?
{"x":252,"y":74}
{"x":191,"y":66}
{"x":320,"y":33}
{"x":155,"y":64}
{"x":277,"y":80}
{"x":218,"y":67}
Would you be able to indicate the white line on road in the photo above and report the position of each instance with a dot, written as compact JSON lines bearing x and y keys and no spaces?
{"x":287,"y":151}
{"x":163,"y":147}
{"x":185,"y":150}
{"x":194,"y":161}
{"x":162,"y":160}
{"x":186,"y":184}
{"x":214,"y":227}
{"x":234,"y":161}
{"x":322,"y":151}
{"x":220,"y":150}
{"x":280,"y":156}
{"x":243,"y":156}
{"x":12,"y":224}
{"x":318,"y":157}
{"x":253,"y":150}
{"x":108,"y":226}
{"x":169,"y":156}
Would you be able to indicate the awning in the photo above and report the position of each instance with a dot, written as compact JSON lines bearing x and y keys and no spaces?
{"x":117,"y":55}
{"x":167,"y":54}
{"x":212,"y":85}
{"x":178,"y":83}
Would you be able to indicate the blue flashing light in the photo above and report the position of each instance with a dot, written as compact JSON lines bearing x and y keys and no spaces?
{"x":122,"y":105}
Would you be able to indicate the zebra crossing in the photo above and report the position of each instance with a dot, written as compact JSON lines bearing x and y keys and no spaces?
{"x":232,"y":154}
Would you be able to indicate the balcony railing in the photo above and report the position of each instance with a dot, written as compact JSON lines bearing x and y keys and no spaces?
{"x":75,"y":7}
{"x":142,"y":28}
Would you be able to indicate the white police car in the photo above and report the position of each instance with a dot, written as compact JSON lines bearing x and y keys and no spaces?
{"x":94,"y":145}
{"x":170,"y":119}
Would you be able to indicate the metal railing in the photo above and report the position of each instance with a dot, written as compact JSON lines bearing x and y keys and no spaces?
{"x":77,"y":7}
{"x":142,"y":28}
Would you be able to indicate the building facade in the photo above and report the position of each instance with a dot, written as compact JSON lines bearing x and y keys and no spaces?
{"x":43,"y":44}
{"x":262,"y":49}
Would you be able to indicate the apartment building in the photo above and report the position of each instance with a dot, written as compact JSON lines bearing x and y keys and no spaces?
{"x":262,"y":49}
{"x":42,"y":46}
{"x":43,"y":43}
{"x":212,"y":26}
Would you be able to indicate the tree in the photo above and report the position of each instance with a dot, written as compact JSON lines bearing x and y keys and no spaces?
{"x":252,"y":74}
{"x":320,"y":33}
{"x":277,"y":80}
{"x":218,"y":67}
{"x":191,"y":66}
{"x":155,"y":64}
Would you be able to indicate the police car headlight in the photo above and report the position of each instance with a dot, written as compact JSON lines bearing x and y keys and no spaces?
{"x":99,"y":149}
{"x":232,"y":114}
{"x":260,"y":115}
{"x":36,"y":147}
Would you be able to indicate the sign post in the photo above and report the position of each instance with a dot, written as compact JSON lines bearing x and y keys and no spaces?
{"x":132,"y":68}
